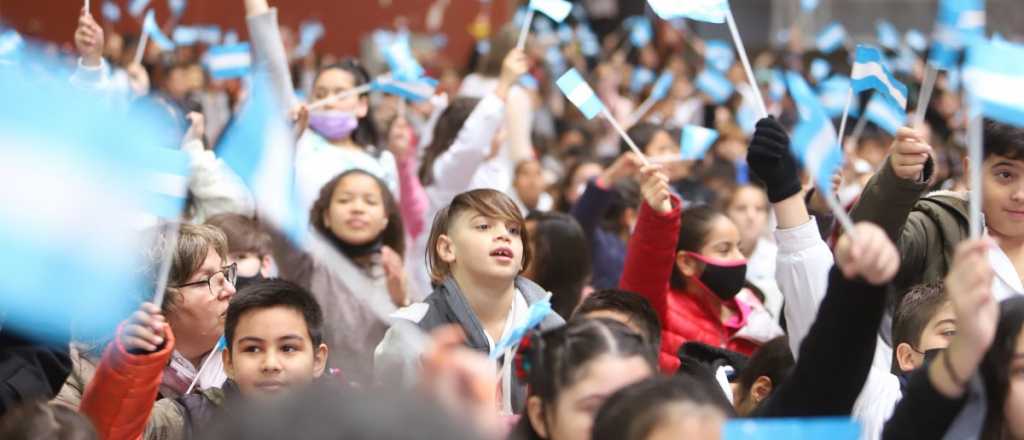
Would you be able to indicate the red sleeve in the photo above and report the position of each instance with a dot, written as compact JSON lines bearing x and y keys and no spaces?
{"x":651,"y":255}
{"x":120,"y":396}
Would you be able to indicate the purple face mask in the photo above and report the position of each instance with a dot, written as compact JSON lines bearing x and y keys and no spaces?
{"x":333,"y":125}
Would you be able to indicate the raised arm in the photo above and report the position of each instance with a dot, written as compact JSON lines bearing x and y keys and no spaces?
{"x":414,"y":202}
{"x":216,"y":188}
{"x":804,"y":259}
{"x":651,"y":252}
{"x":595,"y":200}
{"x":453,"y":170}
{"x":268,"y":49}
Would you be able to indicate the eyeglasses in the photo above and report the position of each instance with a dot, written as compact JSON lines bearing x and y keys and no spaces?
{"x":227,"y":275}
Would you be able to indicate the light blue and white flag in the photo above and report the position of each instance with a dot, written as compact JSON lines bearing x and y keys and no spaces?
{"x":719,"y":54}
{"x":150,"y":27}
{"x":642,"y":76}
{"x":555,"y":59}
{"x":640,"y":30}
{"x":870,"y":72}
{"x":888,"y":36}
{"x":258,"y":147}
{"x":589,"y":45}
{"x":663,"y":85}
{"x":229,"y":61}
{"x":711,"y":11}
{"x":832,"y":428}
{"x":715,"y":85}
{"x":580,"y":94}
{"x":820,"y":69}
{"x":808,"y":5}
{"x":535,"y":316}
{"x":833,"y":93}
{"x":414,"y":91}
{"x":916,"y":40}
{"x":555,"y":9}
{"x":807,"y":103}
{"x":185,"y":35}
{"x":11,"y":45}
{"x":815,"y":145}
{"x":992,"y":77}
{"x":959,"y":23}
{"x":137,"y":7}
{"x":111,"y":11}
{"x":309,"y":33}
{"x":68,"y":226}
{"x":696,"y":141}
{"x":885,"y":114}
{"x":906,"y":58}
{"x":565,"y":33}
{"x":403,"y":65}
{"x":177,"y":7}
{"x":831,"y":38}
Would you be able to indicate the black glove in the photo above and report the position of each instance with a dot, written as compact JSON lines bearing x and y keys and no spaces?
{"x":769,"y":157}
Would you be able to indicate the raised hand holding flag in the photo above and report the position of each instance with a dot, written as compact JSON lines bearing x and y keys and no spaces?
{"x":870,"y":72}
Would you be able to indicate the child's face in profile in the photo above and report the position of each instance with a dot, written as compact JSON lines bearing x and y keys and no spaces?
{"x":272,"y":352}
{"x":483,"y":247}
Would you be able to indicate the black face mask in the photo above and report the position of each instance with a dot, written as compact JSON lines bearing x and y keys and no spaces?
{"x":723,"y":278}
{"x":241,"y":282}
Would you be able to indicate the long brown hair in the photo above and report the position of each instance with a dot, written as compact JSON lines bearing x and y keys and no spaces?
{"x":393,"y":235}
{"x":447,"y":129}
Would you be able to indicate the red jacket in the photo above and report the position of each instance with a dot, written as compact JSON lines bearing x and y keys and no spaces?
{"x":685,"y":315}
{"x":120,"y":396}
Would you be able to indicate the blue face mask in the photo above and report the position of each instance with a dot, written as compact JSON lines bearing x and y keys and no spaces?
{"x":333,"y":125}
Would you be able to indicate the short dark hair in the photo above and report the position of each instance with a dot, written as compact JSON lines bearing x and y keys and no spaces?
{"x":641,"y":134}
{"x":632,"y":304}
{"x":1003,"y":140}
{"x":636,"y":410}
{"x":244,"y":234}
{"x":275,"y":293}
{"x":773,"y":360}
{"x":995,"y":367}
{"x":913,"y":312}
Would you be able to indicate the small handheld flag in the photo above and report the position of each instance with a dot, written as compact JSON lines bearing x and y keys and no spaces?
{"x":658,"y":92}
{"x":695,"y":141}
{"x":916,"y":40}
{"x":402,"y":63}
{"x":535,"y":316}
{"x":640,"y":31}
{"x":715,"y":85}
{"x":229,"y":61}
{"x":992,"y":76}
{"x":177,"y":7}
{"x":831,"y":38}
{"x":642,"y":76}
{"x":309,"y":33}
{"x":415,"y":91}
{"x":808,"y":5}
{"x":185,"y":35}
{"x":833,"y":93}
{"x":719,"y":55}
{"x":583,"y":97}
{"x":137,"y":7}
{"x":885,"y":114}
{"x":557,"y":10}
{"x":869,"y":72}
{"x":151,"y":28}
{"x":580,"y":94}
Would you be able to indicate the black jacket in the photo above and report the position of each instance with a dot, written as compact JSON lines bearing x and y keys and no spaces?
{"x":30,"y":370}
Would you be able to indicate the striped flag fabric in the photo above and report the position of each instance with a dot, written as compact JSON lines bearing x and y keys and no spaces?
{"x":820,"y":69}
{"x":579,"y":93}
{"x":885,"y":114}
{"x":959,"y":23}
{"x":402,"y":63}
{"x":992,"y":76}
{"x":888,"y":36}
{"x":870,"y":72}
{"x":229,"y":61}
{"x":695,"y":141}
{"x":833,"y":93}
{"x":414,"y":91}
{"x":663,"y":85}
{"x":831,"y":38}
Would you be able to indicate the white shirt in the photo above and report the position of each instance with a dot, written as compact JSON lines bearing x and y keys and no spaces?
{"x":1006,"y":283}
{"x":317,"y":162}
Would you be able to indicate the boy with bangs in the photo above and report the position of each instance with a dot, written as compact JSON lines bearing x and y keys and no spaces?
{"x":475,"y":254}
{"x":273,"y":331}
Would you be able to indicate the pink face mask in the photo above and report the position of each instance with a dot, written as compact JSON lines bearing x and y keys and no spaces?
{"x":333,"y":125}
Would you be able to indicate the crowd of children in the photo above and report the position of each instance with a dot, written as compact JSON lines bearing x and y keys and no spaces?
{"x":488,"y":263}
